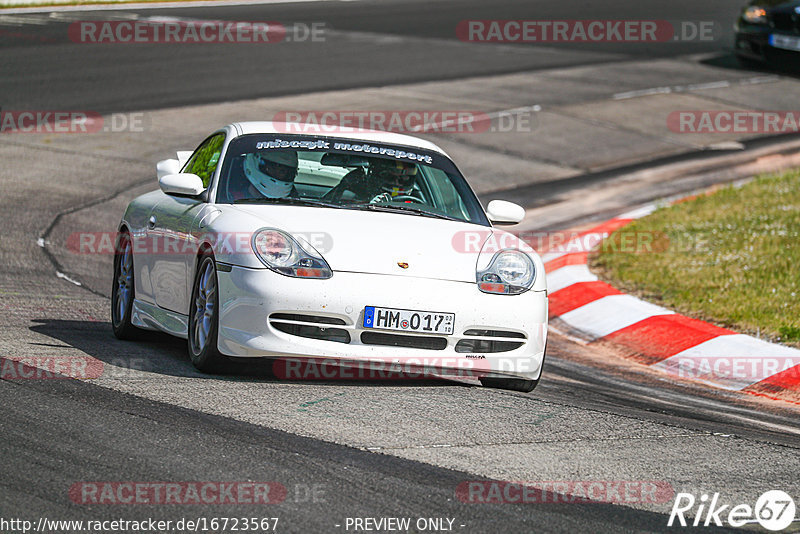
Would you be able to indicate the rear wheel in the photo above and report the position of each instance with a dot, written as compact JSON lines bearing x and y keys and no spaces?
{"x":122,"y":290}
{"x":204,"y":318}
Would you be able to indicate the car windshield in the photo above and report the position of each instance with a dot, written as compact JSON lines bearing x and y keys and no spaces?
{"x":347,"y":174}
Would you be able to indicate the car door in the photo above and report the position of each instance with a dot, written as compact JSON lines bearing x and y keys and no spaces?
{"x":170,"y":225}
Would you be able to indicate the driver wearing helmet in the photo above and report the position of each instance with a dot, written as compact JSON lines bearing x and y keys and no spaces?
{"x":385,"y":181}
{"x":395,"y":179}
{"x":270,"y":173}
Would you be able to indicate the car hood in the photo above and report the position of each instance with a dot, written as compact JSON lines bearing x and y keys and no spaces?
{"x":378,"y":242}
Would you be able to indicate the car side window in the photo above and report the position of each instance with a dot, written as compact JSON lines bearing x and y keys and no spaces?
{"x":445,"y":194}
{"x":204,"y":161}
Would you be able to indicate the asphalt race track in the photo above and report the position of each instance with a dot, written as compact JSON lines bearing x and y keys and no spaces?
{"x":371,"y":43}
{"x":341,"y":449}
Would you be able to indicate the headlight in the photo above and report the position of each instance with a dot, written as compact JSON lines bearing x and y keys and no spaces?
{"x":510,"y":272}
{"x":286,"y":255}
{"x":755,"y":15}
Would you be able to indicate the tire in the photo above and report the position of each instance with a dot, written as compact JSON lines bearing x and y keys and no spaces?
{"x":204,"y":318}
{"x":123,"y":290}
{"x":513,"y":384}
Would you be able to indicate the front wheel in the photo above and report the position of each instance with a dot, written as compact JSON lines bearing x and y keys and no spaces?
{"x":122,"y":290}
{"x":513,"y":384}
{"x":204,"y":318}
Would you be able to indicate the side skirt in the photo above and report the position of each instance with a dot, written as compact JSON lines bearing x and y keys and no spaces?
{"x":151,"y":317}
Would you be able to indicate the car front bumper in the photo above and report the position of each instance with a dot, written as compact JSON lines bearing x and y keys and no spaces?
{"x":251,"y":298}
{"x":764,"y":44}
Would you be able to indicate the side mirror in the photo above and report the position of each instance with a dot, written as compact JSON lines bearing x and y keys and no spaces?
{"x":183,"y":156}
{"x":181,"y":184}
{"x":168,"y":166}
{"x":502,"y":212}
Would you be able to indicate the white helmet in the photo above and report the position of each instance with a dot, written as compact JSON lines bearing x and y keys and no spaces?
{"x":271,"y":172}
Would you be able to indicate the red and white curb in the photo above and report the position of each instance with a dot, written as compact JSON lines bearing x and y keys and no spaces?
{"x":684,"y":348}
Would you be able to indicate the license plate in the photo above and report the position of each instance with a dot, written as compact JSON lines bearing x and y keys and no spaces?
{"x":784,"y":42}
{"x":409,"y":320}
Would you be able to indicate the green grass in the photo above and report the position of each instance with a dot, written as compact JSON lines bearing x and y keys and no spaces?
{"x":731,"y":257}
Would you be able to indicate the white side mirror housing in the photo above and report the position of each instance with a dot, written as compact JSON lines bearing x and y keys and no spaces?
{"x":503,"y":212}
{"x":168,"y":166}
{"x":183,"y":156}
{"x":181,"y":184}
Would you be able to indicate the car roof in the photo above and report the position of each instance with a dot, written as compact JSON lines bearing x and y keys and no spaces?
{"x":375,"y":136}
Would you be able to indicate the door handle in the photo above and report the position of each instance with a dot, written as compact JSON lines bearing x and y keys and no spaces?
{"x":151,"y":223}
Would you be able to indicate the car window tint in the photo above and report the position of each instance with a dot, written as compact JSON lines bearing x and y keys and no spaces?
{"x":445,"y":196}
{"x":204,"y":161}
{"x":353,"y":176}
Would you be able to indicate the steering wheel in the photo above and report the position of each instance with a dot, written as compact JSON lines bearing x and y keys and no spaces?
{"x":337,"y":192}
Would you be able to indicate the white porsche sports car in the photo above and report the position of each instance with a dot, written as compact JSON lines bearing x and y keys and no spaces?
{"x":362,"y":248}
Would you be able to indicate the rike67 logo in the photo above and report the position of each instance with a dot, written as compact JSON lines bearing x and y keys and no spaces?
{"x":774,"y":510}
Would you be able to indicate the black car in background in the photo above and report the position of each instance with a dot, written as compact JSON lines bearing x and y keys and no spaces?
{"x":769,"y":31}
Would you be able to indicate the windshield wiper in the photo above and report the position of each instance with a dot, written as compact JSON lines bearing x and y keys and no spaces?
{"x":293,"y":201}
{"x":407,"y":209}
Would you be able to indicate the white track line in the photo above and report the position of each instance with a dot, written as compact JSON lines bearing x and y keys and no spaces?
{"x":694,"y":87}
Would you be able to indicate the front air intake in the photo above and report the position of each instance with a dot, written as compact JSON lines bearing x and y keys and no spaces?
{"x":307,"y":326}
{"x":486,"y":341}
